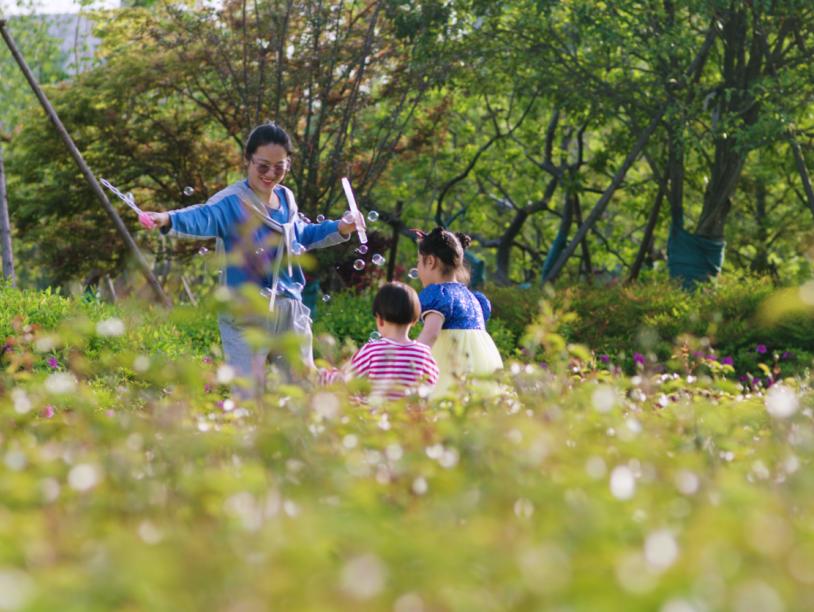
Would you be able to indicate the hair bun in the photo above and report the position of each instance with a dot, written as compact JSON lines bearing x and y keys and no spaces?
{"x":464,"y":240}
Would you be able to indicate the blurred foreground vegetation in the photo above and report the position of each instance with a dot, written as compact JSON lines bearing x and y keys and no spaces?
{"x":130,"y":480}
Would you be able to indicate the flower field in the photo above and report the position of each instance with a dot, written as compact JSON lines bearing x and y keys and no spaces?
{"x":130,"y":480}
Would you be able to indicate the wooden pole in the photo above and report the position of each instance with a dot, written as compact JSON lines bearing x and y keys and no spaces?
{"x":83,"y":166}
{"x":395,"y":223}
{"x":5,"y":227}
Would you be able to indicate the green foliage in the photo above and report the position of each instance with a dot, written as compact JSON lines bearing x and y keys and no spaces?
{"x":127,"y":484}
{"x":42,"y":54}
{"x":349,"y":315}
{"x":652,"y":317}
{"x":514,"y":307}
{"x":81,"y":326}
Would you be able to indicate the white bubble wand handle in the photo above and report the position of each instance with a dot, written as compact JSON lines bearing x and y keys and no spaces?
{"x":354,"y":210}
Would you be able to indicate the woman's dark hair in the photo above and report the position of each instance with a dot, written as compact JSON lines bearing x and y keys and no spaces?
{"x":448,"y":248}
{"x":267,"y":133}
{"x":397,"y":303}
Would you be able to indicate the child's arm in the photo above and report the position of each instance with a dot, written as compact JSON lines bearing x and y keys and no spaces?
{"x":433,"y":321}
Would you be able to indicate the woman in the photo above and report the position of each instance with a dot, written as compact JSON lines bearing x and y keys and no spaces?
{"x":258,"y":228}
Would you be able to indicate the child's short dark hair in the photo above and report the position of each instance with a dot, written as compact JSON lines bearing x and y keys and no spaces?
{"x":397,"y":303}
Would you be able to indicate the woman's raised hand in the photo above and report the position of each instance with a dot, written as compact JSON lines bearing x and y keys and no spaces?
{"x":154,"y":220}
{"x":349,"y":223}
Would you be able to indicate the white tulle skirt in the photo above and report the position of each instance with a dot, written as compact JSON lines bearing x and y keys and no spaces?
{"x":464,"y":355}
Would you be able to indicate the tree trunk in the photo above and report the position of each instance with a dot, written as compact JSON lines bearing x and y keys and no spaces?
{"x":735,"y":100}
{"x":397,"y":225}
{"x":760,"y":263}
{"x":504,"y":248}
{"x":803,"y":171}
{"x":647,"y":239}
{"x":5,"y":228}
{"x":587,"y":267}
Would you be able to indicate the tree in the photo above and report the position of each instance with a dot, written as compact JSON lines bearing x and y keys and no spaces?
{"x":170,"y":108}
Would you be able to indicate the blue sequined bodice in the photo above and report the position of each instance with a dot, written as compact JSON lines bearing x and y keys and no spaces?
{"x":460,"y":307}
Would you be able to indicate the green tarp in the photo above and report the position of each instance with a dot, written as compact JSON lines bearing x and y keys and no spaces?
{"x":690,"y":258}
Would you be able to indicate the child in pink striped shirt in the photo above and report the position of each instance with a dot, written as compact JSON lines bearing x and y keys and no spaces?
{"x":395,"y":365}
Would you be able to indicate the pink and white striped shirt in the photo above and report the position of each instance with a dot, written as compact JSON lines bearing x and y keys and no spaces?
{"x":395,"y":369}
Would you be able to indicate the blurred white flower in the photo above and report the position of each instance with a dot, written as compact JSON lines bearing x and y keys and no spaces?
{"x":60,"y":383}
{"x":363,"y":577}
{"x":660,"y":549}
{"x":84,"y":477}
{"x":110,"y":327}
{"x":781,"y":402}
{"x":622,"y":482}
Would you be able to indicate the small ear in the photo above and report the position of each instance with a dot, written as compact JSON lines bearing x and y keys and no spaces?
{"x":419,"y":234}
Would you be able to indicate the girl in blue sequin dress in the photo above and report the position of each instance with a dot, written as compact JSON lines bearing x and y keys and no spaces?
{"x":454,"y":317}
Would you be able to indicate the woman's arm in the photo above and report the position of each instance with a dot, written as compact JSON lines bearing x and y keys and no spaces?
{"x":210,"y":220}
{"x":433,"y":322}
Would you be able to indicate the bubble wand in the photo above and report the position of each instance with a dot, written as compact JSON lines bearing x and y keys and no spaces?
{"x":354,"y":210}
{"x":143,"y":218}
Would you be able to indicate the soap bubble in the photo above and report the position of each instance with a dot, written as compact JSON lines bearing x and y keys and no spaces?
{"x":413,"y":273}
{"x":260,"y":251}
{"x":359,"y":265}
{"x":373,"y":216}
{"x":326,"y":298}
{"x":378,"y":259}
{"x":203,"y":251}
{"x":374,"y":336}
{"x":189,"y":190}
{"x":362,"y":250}
{"x":320,"y":218}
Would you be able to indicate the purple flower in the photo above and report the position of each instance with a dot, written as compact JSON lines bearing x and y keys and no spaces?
{"x":52,"y":362}
{"x":48,"y":412}
{"x":786,"y":356}
{"x":207,"y":359}
{"x":207,"y":388}
{"x":638,"y":358}
{"x":761,"y":348}
{"x":604,"y":358}
{"x":727,"y":361}
{"x":744,"y":378}
{"x":712,"y":358}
